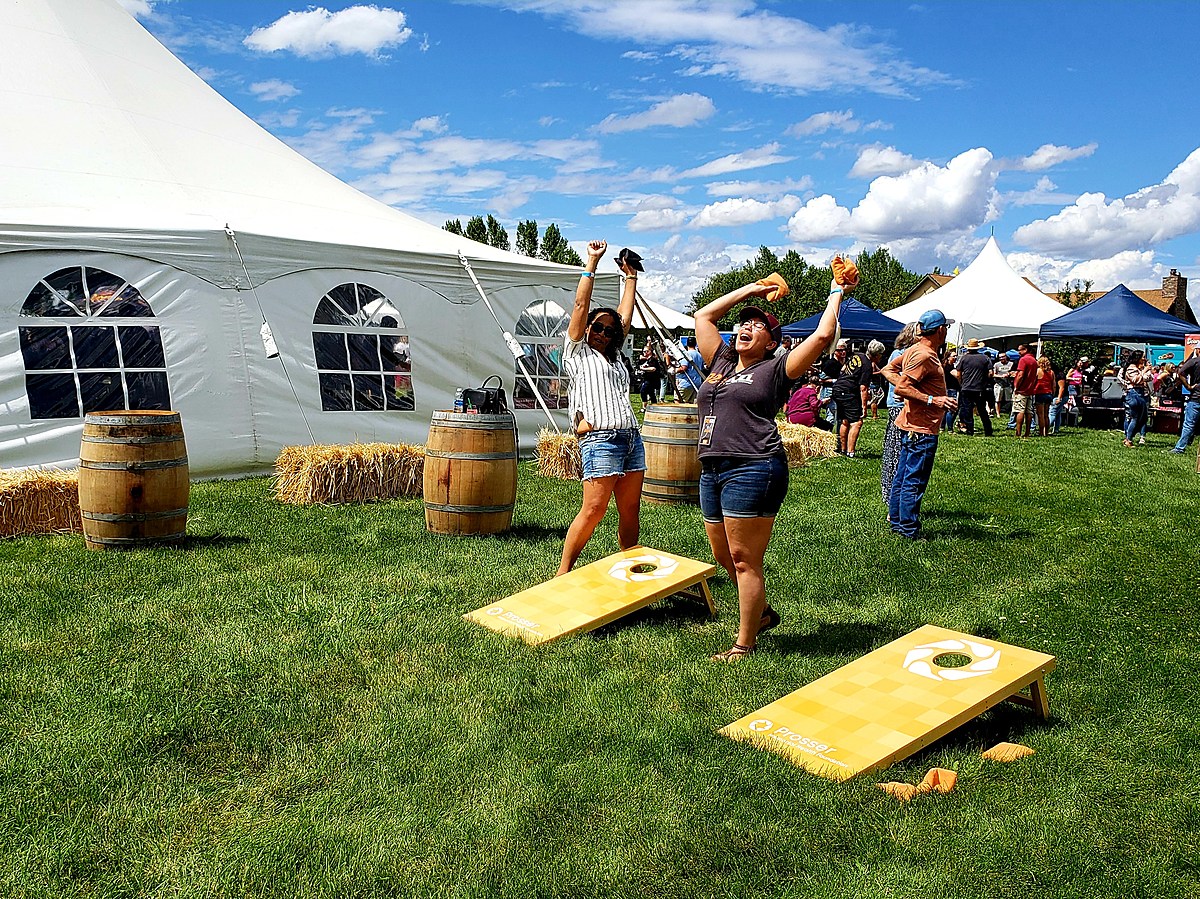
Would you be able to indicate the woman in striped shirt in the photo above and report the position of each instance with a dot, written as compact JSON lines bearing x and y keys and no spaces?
{"x":610,"y":445}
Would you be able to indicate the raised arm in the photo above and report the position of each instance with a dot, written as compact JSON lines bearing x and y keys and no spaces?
{"x":628,"y":294}
{"x":708,"y":335}
{"x":805,"y":353}
{"x":583,"y":293}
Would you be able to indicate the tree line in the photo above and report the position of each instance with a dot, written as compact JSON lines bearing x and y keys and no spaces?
{"x":551,"y":246}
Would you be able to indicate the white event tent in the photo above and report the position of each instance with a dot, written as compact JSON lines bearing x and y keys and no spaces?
{"x":148,"y":229}
{"x":986,"y":300}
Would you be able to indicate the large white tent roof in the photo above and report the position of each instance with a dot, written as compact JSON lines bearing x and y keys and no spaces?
{"x":107,"y":129}
{"x":986,"y":300}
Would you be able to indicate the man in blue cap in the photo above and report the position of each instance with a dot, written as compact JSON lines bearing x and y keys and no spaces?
{"x":920,"y":381}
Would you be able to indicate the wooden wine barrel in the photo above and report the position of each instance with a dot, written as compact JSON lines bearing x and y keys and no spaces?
{"x":671,"y":433}
{"x":470,"y":482}
{"x":133,"y":479}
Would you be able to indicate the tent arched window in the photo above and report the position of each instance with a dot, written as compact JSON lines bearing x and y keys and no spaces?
{"x":362,"y":352}
{"x":87,"y":347}
{"x":540,"y":331}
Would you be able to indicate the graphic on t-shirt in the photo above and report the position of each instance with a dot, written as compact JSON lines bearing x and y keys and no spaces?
{"x":706,"y":429}
{"x":746,"y":377}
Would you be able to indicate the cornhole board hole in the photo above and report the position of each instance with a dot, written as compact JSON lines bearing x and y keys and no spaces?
{"x":592,"y":596}
{"x":891,"y":702}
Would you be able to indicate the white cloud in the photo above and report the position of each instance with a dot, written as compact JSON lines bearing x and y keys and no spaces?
{"x":317,"y":32}
{"x":1098,"y":227}
{"x":763,"y":190}
{"x":679,"y":111}
{"x":834,"y":120}
{"x":279,"y":119}
{"x":1044,"y":193}
{"x":657,"y":220}
{"x":875,"y":161}
{"x":739,"y":211}
{"x":1049,"y":155}
{"x":927,"y":201}
{"x":738,"y":162}
{"x":630,"y":205}
{"x":274,"y":89}
{"x":1135,"y":269}
{"x":740,"y":41}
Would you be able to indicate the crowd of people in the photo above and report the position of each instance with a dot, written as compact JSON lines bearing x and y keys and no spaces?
{"x":740,"y":387}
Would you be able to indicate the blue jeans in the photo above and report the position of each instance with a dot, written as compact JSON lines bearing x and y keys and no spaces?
{"x":742,"y":488}
{"x":1191,"y":415}
{"x":913,"y":469}
{"x":1135,"y":414}
{"x":607,"y":452}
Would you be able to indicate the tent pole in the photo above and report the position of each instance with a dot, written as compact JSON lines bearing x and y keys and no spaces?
{"x":511,"y":342}
{"x":267,"y":337}
{"x":657,"y":325}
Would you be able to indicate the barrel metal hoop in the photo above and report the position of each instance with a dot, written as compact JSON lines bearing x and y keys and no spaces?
{"x":134,"y":466}
{"x":672,"y":441}
{"x":133,"y":541}
{"x":135,"y":516}
{"x":98,"y":419}
{"x":469,"y":509}
{"x":135,"y":441}
{"x":473,"y":422}
{"x":438,"y":454}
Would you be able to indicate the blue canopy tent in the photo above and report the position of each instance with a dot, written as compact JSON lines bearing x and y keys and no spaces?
{"x":858,"y":321}
{"x":1119,"y":315}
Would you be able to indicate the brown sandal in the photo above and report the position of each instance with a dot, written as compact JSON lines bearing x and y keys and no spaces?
{"x":733,"y":653}
{"x":770,"y":619}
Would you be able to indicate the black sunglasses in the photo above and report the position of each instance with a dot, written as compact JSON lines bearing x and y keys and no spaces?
{"x":607,"y":330}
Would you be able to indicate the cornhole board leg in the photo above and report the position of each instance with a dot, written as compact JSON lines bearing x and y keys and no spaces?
{"x":594,"y":595}
{"x":1037,"y":700}
{"x":892,"y":702}
{"x":704,"y":594}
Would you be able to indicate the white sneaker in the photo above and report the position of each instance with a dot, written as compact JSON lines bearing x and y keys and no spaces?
{"x":1141,"y":441}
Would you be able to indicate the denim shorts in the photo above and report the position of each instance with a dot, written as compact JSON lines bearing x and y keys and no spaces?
{"x":606,"y":452}
{"x":742,"y":488}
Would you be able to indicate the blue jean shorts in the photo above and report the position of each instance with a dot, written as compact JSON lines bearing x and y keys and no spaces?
{"x":608,"y":452}
{"x":742,"y":488}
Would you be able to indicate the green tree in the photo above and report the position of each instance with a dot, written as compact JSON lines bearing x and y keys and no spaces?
{"x":496,"y":235}
{"x":454,"y":226}
{"x":527,"y":238}
{"x":883,"y":281}
{"x":556,"y":249}
{"x":1075,"y":295}
{"x":476,"y":229}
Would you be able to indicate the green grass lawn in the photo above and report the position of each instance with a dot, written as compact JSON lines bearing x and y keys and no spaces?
{"x":291,"y":706}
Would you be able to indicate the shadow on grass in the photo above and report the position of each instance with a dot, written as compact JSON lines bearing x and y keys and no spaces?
{"x":673,"y":610}
{"x":520,"y":532}
{"x":1006,"y":722}
{"x":838,"y":639}
{"x":217,"y":539}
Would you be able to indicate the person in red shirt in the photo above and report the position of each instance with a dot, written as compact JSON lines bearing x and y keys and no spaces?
{"x":920,"y":380}
{"x":1024,"y":387}
{"x":1043,"y":393}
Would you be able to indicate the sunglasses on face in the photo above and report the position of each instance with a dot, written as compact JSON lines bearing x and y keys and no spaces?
{"x":607,"y":330}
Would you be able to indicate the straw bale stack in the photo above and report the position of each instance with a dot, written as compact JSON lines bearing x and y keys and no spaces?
{"x":355,"y":473}
{"x":558,"y":456}
{"x":39,"y":502}
{"x":803,"y":443}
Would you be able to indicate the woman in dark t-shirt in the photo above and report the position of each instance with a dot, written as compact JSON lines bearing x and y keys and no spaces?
{"x":744,"y":475}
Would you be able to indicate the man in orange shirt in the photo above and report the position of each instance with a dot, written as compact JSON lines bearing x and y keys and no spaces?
{"x":920,"y":381}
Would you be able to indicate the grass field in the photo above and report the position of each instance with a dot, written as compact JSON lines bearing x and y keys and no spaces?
{"x":291,"y":706}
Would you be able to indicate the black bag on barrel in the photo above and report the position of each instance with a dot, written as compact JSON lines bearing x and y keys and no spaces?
{"x":484,"y":399}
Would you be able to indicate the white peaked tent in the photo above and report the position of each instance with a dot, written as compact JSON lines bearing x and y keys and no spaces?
{"x":986,"y":300}
{"x":147,"y":229}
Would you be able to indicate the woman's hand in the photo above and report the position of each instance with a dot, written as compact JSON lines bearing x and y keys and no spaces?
{"x":596,"y":250}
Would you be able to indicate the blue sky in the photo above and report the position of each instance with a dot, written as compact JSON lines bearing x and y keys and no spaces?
{"x":697,"y":131}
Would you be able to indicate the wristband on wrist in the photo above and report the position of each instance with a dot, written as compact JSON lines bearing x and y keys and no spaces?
{"x":587,"y":274}
{"x":929,"y":399}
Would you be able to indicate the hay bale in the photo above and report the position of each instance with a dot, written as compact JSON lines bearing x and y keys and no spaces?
{"x":803,"y":443}
{"x":558,"y":456}
{"x":355,"y":473}
{"x":39,"y":502}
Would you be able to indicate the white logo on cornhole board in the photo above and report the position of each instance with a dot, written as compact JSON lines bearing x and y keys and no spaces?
{"x":984,"y":659}
{"x":650,"y":567}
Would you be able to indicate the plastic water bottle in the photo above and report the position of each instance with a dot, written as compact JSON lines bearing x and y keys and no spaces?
{"x":458,"y":400}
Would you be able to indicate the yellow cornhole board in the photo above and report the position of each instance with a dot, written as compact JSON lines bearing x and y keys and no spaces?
{"x":885,"y":706}
{"x":594,"y":595}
